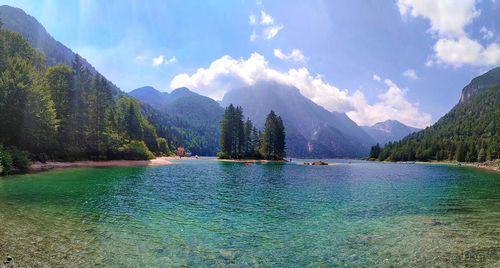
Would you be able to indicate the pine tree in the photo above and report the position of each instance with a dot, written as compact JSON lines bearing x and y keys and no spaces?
{"x":374,"y":152}
{"x":273,"y":138}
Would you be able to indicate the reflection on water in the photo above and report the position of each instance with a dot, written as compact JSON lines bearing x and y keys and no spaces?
{"x":216,"y":213}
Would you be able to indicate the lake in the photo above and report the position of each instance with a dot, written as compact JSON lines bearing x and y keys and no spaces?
{"x":210,"y":213}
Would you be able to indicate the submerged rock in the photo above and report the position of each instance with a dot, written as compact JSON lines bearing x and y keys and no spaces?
{"x":316,"y":163}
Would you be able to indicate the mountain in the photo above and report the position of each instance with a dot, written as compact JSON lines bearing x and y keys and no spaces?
{"x":487,"y":80}
{"x":390,"y":130}
{"x":192,"y":118}
{"x":150,"y":96}
{"x":311,"y":130}
{"x":469,"y":132}
{"x":15,"y":19}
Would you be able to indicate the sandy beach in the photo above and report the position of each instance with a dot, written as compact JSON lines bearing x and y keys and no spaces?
{"x":159,"y":161}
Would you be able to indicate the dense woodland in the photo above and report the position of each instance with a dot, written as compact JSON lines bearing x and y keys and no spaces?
{"x":470,"y":132}
{"x":241,"y":139}
{"x":65,"y":112}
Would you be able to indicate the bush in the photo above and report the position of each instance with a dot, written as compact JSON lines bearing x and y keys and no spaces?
{"x":223,"y":155}
{"x":11,"y":158}
{"x":162,"y":146}
{"x":136,"y":150}
{"x":20,"y":158}
{"x":6,"y":163}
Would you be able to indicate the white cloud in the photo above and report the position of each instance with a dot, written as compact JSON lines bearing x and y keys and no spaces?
{"x":392,"y":104}
{"x":410,"y":73}
{"x":161,"y":60}
{"x":227,"y":73}
{"x":253,"y":36}
{"x":448,"y":19}
{"x":376,"y":77}
{"x":266,"y":19}
{"x":252,"y":19}
{"x":295,"y":55}
{"x":158,"y":60}
{"x":487,"y":34}
{"x":267,"y":26}
{"x":457,"y":52}
{"x":271,"y":31}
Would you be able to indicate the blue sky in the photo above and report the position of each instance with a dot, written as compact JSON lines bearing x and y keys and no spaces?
{"x":375,"y":60}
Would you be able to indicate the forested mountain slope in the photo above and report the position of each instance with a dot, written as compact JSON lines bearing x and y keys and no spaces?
{"x":17,"y":20}
{"x":65,"y":112}
{"x":192,"y":119}
{"x":469,"y":132}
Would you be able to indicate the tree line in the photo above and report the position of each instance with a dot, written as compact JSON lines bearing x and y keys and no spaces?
{"x":241,"y":139}
{"x":65,"y":112}
{"x":470,"y":132}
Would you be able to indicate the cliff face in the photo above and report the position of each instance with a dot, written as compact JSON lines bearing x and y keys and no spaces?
{"x":478,"y":84}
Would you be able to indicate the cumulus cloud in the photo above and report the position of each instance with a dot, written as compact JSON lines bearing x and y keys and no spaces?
{"x":227,"y":73}
{"x":161,"y":60}
{"x":295,"y":55}
{"x":376,"y":77}
{"x":457,"y":52}
{"x":267,"y":26}
{"x":392,"y":104}
{"x":410,"y":73}
{"x":448,"y":19}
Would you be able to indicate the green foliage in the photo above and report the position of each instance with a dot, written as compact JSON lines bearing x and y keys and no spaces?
{"x":232,"y":132}
{"x":470,"y":132}
{"x":6,"y":162}
{"x":65,"y":113}
{"x":243,"y":140}
{"x":374,"y":152}
{"x":273,"y":138}
{"x":20,"y":158}
{"x":136,"y":150}
{"x":12,"y":158}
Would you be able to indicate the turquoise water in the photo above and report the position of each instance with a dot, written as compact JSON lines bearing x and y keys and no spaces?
{"x":210,"y":213}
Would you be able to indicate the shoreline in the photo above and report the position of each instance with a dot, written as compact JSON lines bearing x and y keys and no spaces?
{"x":489,"y":165}
{"x":159,"y":161}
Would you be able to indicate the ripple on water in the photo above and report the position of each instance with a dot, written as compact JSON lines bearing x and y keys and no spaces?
{"x":213,"y":214}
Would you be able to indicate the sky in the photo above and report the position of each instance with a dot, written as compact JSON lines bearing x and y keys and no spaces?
{"x":406,"y":60}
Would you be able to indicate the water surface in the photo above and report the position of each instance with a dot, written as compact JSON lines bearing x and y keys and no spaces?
{"x":211,"y":213}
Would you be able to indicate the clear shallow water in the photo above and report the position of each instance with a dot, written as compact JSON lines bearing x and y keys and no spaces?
{"x":209,"y":213}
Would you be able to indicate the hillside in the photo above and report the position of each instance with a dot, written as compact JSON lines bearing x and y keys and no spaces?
{"x":15,"y":19}
{"x":388,"y":131}
{"x":485,"y":81}
{"x":192,"y":119}
{"x":469,"y":132}
{"x":311,"y":130}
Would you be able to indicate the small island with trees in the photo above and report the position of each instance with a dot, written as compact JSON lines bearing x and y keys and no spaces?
{"x":241,"y":140}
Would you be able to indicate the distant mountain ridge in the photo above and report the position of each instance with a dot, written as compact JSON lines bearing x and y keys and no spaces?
{"x":311,"y":130}
{"x":193,"y":118}
{"x":389,"y":130}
